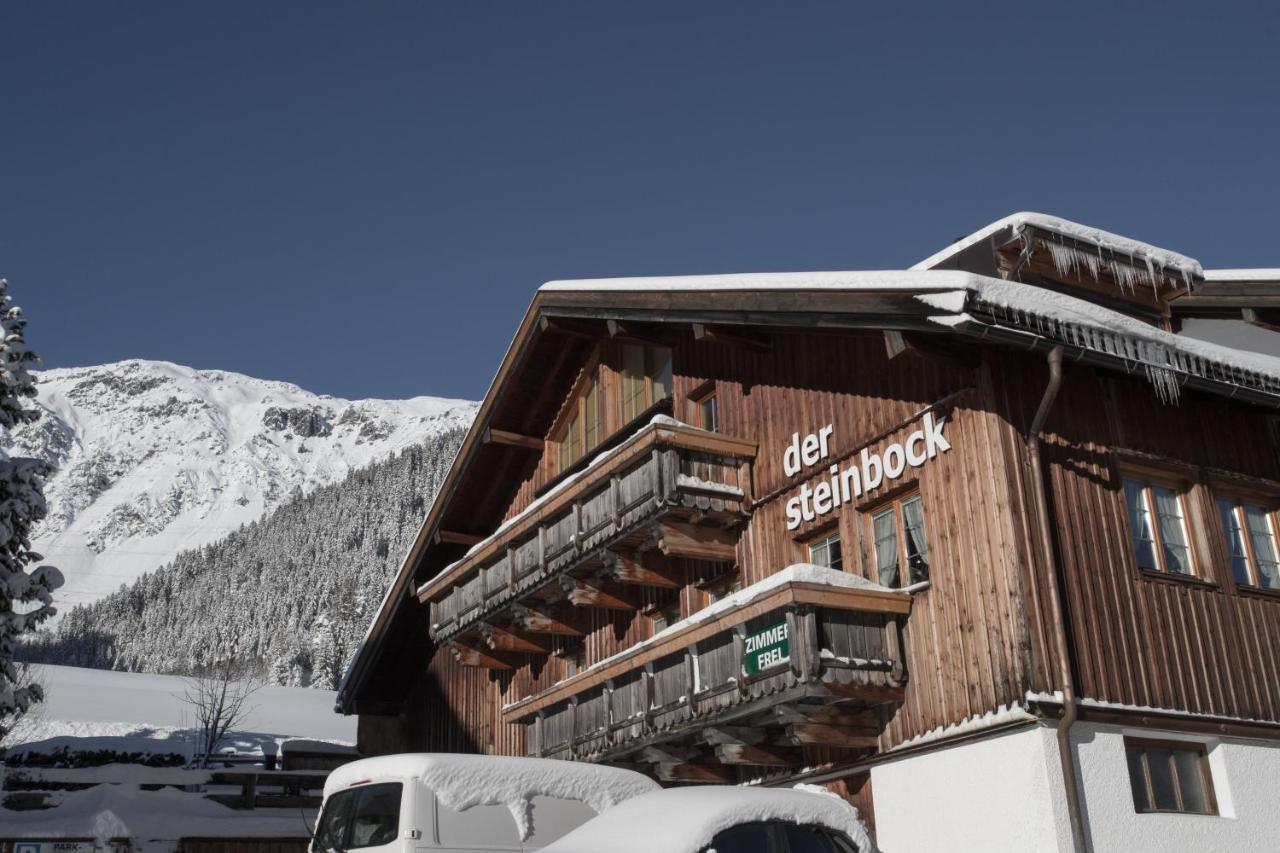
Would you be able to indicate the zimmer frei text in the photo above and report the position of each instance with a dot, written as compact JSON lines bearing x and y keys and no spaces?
{"x":865,"y":472}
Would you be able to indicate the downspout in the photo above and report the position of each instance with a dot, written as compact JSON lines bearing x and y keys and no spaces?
{"x":1070,"y":711}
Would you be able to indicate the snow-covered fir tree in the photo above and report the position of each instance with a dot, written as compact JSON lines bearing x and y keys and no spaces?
{"x":26,"y":597}
{"x":291,"y":594}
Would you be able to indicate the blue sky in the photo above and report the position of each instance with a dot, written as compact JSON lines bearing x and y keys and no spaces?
{"x":362,"y":197}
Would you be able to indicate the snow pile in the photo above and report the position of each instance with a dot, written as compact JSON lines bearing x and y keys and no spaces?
{"x":872,"y":280}
{"x":685,"y":820}
{"x":462,"y":781}
{"x":154,"y":819}
{"x":1129,"y":260}
{"x":1161,"y":355}
{"x":152,"y":458}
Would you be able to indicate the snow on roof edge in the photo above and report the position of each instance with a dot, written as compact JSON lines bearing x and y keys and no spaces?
{"x":815,"y":280}
{"x":1255,"y":274}
{"x":1084,"y":233}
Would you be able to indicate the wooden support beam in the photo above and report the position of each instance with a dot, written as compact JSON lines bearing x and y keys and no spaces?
{"x":824,"y":735}
{"x":667,"y":754}
{"x":721,"y":335}
{"x":477,"y":655}
{"x":453,"y":537}
{"x":506,"y":640}
{"x":716,"y":774}
{"x":676,"y":539}
{"x":645,"y":569}
{"x":546,"y":620}
{"x":766,"y":756}
{"x":583,"y":593}
{"x":736,"y":735}
{"x":513,"y":439}
{"x":571,"y":328}
{"x":831,"y":715}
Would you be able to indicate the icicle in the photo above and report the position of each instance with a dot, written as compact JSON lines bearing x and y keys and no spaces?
{"x":1165,"y":383}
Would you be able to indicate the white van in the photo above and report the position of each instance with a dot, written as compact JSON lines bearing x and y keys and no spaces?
{"x":445,"y":803}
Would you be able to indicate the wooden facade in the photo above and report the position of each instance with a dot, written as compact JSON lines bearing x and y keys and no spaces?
{"x":523,"y":621}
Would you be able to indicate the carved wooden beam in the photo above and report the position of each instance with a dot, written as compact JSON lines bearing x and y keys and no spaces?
{"x":667,"y":754}
{"x":830,"y":715}
{"x":676,"y":539}
{"x":767,"y":756}
{"x":839,"y":736}
{"x":572,"y":328}
{"x":476,"y":655}
{"x":453,"y":537}
{"x":583,"y":593}
{"x":739,"y":735}
{"x":716,"y":774}
{"x":721,"y":335}
{"x":645,"y":569}
{"x":538,"y":620}
{"x":505,"y":640}
{"x":513,"y":439}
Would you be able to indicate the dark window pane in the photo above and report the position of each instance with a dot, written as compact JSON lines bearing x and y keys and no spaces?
{"x":1191,"y":781}
{"x":807,"y":839}
{"x":747,"y":838}
{"x":1138,"y":779}
{"x":331,"y":829}
{"x":1235,"y":541}
{"x":917,"y":548}
{"x":843,"y":845}
{"x":1163,"y":790}
{"x":1144,"y":544}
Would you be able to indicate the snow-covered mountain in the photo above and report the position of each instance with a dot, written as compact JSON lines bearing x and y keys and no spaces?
{"x":153,"y":458}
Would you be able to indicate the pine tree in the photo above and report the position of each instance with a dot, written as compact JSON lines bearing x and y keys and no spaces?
{"x":26,"y":597}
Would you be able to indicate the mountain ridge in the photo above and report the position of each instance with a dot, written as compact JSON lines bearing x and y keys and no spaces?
{"x":152,"y":458}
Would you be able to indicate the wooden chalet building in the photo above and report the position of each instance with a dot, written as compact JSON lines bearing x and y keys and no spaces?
{"x":988,"y":546}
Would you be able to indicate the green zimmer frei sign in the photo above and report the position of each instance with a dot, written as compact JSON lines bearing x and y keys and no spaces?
{"x":766,"y":648}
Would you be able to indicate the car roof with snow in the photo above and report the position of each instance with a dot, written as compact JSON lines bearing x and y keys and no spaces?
{"x":685,"y":820}
{"x":462,"y":781}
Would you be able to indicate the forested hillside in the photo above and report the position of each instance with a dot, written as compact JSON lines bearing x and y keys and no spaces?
{"x":292,"y":593}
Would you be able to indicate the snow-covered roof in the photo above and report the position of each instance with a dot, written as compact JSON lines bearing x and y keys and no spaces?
{"x":1166,"y":358}
{"x":1017,"y":223}
{"x":870,"y":280}
{"x":685,"y":820}
{"x":1257,"y":274}
{"x":462,"y":781}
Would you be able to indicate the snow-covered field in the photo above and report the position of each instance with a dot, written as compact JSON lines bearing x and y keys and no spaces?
{"x":125,"y":711}
{"x":153,"y":458}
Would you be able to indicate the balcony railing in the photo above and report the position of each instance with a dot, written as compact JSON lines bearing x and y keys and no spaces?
{"x":801,"y":664}
{"x":671,"y":487}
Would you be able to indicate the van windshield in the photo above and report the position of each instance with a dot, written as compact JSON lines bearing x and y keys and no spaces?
{"x":359,"y":817}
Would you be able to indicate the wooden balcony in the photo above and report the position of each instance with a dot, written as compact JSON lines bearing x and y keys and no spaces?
{"x":732,"y":689}
{"x":592,"y":541}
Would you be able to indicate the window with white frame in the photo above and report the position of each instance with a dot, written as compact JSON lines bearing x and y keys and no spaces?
{"x":1250,"y":530}
{"x":898,"y":540}
{"x":1158,"y":530}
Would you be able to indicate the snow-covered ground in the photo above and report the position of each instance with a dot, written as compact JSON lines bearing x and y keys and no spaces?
{"x":134,"y":712}
{"x":153,"y":458}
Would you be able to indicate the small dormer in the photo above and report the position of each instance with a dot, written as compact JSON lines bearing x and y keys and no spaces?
{"x":1118,"y":272}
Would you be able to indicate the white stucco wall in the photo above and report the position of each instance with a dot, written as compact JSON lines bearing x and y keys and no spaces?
{"x":994,"y":794}
{"x":1246,"y":782}
{"x":1005,"y":793}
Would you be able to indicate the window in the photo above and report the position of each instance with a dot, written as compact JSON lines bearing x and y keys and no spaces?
{"x":777,"y":836}
{"x":1250,"y":530}
{"x":583,"y":426}
{"x":1169,"y":776}
{"x":897,"y":535}
{"x":1158,"y":527}
{"x":575,"y":660}
{"x":646,"y":378}
{"x":825,"y":551}
{"x":709,"y":413}
{"x":359,"y":817}
{"x":666,"y":616}
{"x":723,"y":589}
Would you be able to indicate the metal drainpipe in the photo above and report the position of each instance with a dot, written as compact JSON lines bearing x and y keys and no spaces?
{"x":1069,"y":709}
